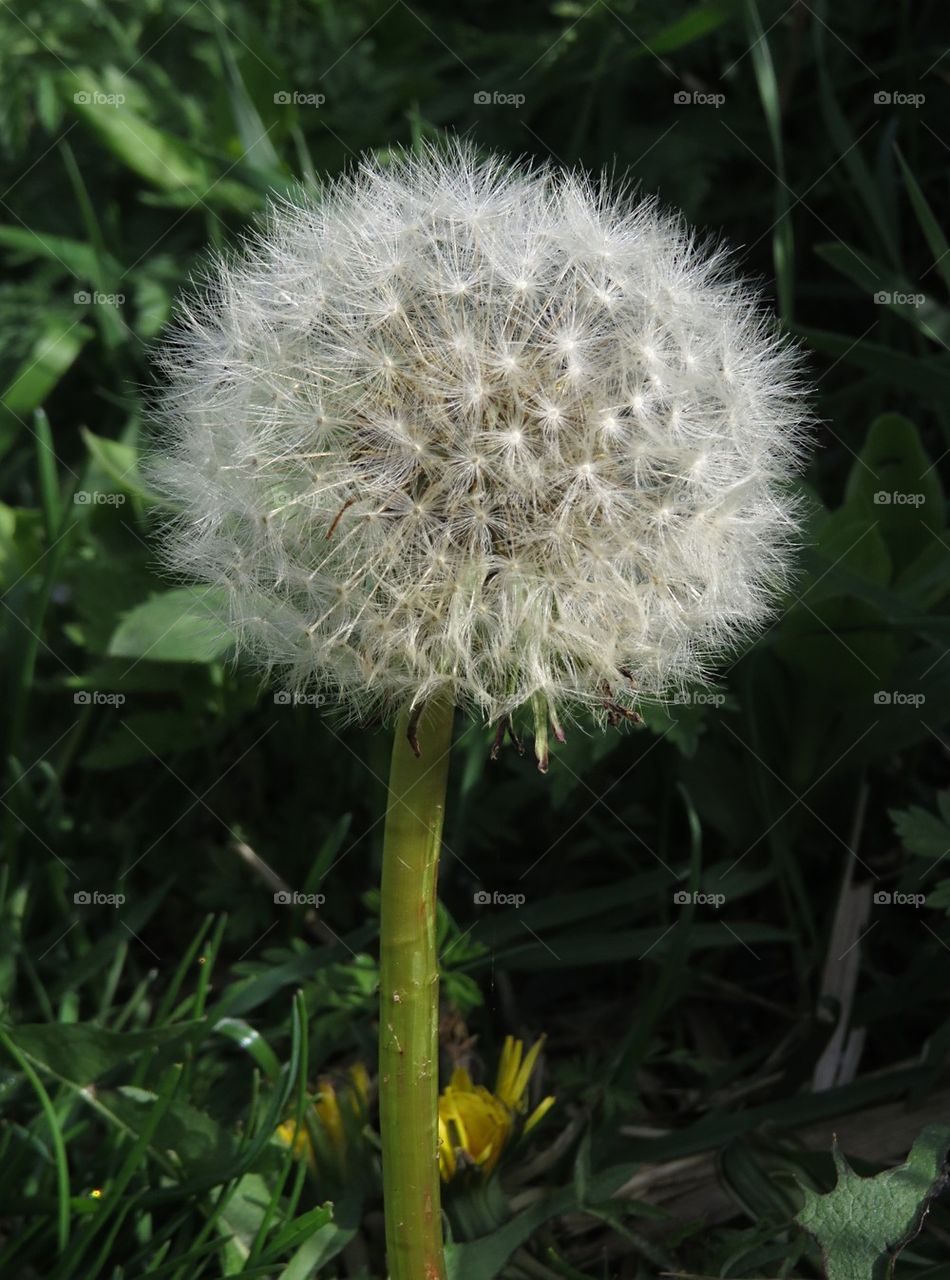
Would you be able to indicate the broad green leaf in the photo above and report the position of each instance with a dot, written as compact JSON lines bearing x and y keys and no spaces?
{"x":242,"y":1218}
{"x":196,"y":1141}
{"x":853,"y":544}
{"x":81,"y":1053}
{"x":292,"y":1232}
{"x":845,"y":646}
{"x":187,"y":624}
{"x":322,"y":1246}
{"x":897,"y":486}
{"x":864,"y":1222}
{"x":120,"y":462}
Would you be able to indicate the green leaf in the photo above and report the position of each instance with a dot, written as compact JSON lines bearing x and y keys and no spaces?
{"x":929,"y":225}
{"x":184,"y":625}
{"x":51,"y":357}
{"x":929,"y":378}
{"x":864,"y":1222}
{"x":198,"y":1142}
{"x":693,"y":25}
{"x":890,"y":288}
{"x":921,"y":832}
{"x":251,"y":1040}
{"x":483,"y":1259}
{"x":75,"y":256}
{"x":81,"y":1053}
{"x":896,"y":485}
{"x":120,"y":462}
{"x":143,"y":735}
{"x":315,"y":1252}
{"x":171,"y":165}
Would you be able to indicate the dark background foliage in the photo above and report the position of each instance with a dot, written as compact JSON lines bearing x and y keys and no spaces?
{"x":809,"y":788}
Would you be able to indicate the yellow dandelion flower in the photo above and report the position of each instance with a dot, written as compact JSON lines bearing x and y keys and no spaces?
{"x":475,"y":1125}
{"x":329,"y":1112}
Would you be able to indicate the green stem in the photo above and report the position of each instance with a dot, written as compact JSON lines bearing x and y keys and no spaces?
{"x":409,"y":998}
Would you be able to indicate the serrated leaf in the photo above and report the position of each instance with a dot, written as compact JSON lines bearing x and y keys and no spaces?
{"x":81,"y":1053}
{"x":921,"y":832}
{"x":864,"y":1222}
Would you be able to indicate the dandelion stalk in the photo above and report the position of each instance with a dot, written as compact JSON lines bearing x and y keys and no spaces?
{"x":409,"y":997}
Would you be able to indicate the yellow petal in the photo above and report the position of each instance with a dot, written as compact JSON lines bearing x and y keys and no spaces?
{"x":523,"y":1078}
{"x":508,"y":1068}
{"x":360,"y":1087}
{"x":327,"y":1107}
{"x":538,"y":1114}
{"x":461,"y":1080}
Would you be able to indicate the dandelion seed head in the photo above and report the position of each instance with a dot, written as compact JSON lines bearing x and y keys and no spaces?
{"x":465,"y":426}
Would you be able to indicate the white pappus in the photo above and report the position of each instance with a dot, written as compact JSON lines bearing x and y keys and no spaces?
{"x":471,"y":427}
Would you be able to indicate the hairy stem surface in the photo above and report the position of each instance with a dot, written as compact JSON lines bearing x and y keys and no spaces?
{"x":409,"y":997}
